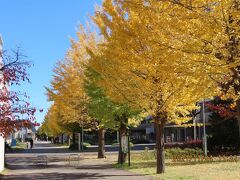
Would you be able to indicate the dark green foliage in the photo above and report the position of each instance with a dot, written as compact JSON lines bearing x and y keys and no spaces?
{"x":70,"y":127}
{"x":108,"y":113}
{"x":75,"y":146}
{"x":171,"y":153}
{"x":99,"y":106}
{"x":223,"y":133}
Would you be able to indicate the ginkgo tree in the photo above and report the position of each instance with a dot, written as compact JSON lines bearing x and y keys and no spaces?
{"x":67,"y":94}
{"x":161,"y":56}
{"x":110,"y":115}
{"x":107,"y":114}
{"x":51,"y":119}
{"x":54,"y":125}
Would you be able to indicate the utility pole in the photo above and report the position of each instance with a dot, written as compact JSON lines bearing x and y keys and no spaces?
{"x":82,"y":137}
{"x":117,"y":136}
{"x":79,"y":141}
{"x":195,"y":128}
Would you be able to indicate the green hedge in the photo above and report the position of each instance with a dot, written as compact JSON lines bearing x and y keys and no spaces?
{"x":171,"y":153}
{"x":117,"y":144}
{"x":75,"y":146}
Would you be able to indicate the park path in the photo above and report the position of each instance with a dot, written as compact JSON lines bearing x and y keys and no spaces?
{"x":21,"y":166}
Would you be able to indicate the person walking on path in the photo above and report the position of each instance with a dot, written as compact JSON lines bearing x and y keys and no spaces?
{"x":31,"y":143}
{"x":27,"y":145}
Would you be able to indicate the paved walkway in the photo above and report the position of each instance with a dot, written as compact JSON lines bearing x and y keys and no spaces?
{"x":21,"y":166}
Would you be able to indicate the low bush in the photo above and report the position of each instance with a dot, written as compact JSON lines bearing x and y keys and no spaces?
{"x":187,"y":144}
{"x":202,"y":159}
{"x":148,"y":154}
{"x":117,"y":144}
{"x":171,"y":153}
{"x":86,"y":144}
{"x":75,"y":146}
{"x":140,"y":141}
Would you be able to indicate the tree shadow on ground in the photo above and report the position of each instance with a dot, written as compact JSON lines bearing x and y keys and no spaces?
{"x":67,"y":166}
{"x":99,"y":166}
{"x":51,"y":159}
{"x":152,"y":164}
{"x":64,"y":176}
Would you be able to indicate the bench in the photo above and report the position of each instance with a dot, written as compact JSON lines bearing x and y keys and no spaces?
{"x":71,"y":158}
{"x":41,"y":160}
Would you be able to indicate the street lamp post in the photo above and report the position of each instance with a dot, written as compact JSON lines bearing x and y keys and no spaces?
{"x":22,"y":130}
{"x":204,"y":130}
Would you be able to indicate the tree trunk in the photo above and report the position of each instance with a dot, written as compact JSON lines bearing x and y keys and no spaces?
{"x":73,"y":137}
{"x":238,"y":117}
{"x":238,"y":120}
{"x":101,"y":143}
{"x":122,"y":156}
{"x":62,"y":138}
{"x":160,"y":147}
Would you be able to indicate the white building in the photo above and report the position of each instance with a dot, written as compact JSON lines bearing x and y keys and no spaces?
{"x":24,"y":134}
{"x":2,"y":144}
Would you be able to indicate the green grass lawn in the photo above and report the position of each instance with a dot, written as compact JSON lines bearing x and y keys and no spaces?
{"x":203,"y":171}
{"x":64,"y":144}
{"x":19,"y":146}
{"x":5,"y":171}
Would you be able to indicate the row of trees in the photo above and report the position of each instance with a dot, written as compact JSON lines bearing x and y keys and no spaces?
{"x":148,"y":57}
{"x":80,"y":102}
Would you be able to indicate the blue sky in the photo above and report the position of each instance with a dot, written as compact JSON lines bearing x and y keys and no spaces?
{"x":42,"y":29}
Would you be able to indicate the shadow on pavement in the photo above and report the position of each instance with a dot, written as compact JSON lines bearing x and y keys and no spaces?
{"x":41,"y":148}
{"x":66,"y":166}
{"x":71,"y":176}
